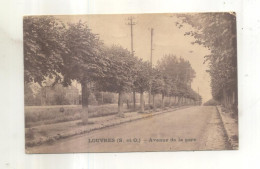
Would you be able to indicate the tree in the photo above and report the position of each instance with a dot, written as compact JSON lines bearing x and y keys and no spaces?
{"x":217,"y":32}
{"x":142,"y":80}
{"x":83,"y":60}
{"x":119,"y":73}
{"x":177,"y":76}
{"x":28,"y":95}
{"x":42,"y":45}
{"x":157,"y":83}
{"x":168,"y":68}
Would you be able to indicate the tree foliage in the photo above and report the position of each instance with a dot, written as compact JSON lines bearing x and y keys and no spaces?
{"x":217,"y":32}
{"x":143,"y":75}
{"x":157,"y":81}
{"x":83,"y":58}
{"x":175,"y":77}
{"x":119,"y":70}
{"x":211,"y":102}
{"x":42,"y":48}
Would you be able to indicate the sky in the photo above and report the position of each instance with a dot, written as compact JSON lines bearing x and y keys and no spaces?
{"x":167,"y":39}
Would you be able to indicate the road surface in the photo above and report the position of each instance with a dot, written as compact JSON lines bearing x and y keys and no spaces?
{"x":194,"y":128}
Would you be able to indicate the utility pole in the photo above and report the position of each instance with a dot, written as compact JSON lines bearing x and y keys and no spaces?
{"x":151,"y":59}
{"x":151,"y":62}
{"x":132,"y":23}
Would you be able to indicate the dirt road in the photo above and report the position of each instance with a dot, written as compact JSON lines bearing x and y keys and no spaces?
{"x":194,"y":128}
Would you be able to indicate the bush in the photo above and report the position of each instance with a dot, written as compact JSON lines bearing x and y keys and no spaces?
{"x":105,"y":98}
{"x":211,"y":102}
{"x":60,"y":99}
{"x":61,"y":109}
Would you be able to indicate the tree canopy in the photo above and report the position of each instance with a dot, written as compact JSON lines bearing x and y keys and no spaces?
{"x":217,"y":32}
{"x":42,"y":48}
{"x":142,"y":80}
{"x":83,"y":55}
{"x":119,"y":70}
{"x":176,"y":75}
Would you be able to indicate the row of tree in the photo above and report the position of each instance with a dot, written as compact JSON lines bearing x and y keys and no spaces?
{"x":217,"y":32}
{"x":67,"y":52}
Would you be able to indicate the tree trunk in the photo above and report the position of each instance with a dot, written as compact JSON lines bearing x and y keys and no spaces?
{"x":179,"y":100}
{"x":235,"y":102}
{"x":120,"y":104}
{"x":142,"y":101}
{"x":127,"y":104}
{"x":162,"y":100}
{"x":85,"y":88}
{"x":153,"y":102}
{"x":102,"y":98}
{"x":170,"y":103}
{"x":134,"y":101}
{"x":224,"y":97}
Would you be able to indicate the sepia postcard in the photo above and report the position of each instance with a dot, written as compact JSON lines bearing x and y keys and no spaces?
{"x":130,"y":82}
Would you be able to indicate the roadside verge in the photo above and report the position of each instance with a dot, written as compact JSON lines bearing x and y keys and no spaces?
{"x":230,"y":126}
